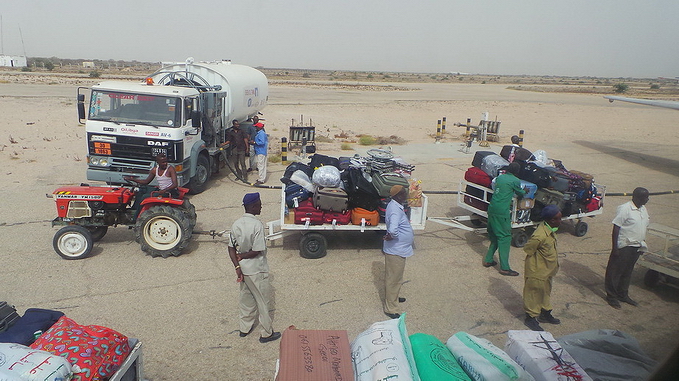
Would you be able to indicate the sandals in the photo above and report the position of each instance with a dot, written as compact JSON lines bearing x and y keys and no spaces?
{"x":509,"y":273}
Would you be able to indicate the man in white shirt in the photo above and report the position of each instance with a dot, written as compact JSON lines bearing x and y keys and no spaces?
{"x":398,"y":245}
{"x":628,"y":243}
{"x":247,"y":250}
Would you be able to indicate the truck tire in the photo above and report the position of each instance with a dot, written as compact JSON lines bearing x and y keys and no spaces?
{"x":163,"y":231}
{"x":97,"y":232}
{"x":313,"y":246}
{"x":198,"y":182}
{"x":73,"y":242}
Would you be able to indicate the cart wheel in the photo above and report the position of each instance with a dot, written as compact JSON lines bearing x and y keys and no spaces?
{"x":652,"y":279}
{"x":580,"y":229}
{"x":519,"y":238}
{"x":476,"y":220}
{"x":313,"y":246}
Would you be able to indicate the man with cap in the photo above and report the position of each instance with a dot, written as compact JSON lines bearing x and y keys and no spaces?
{"x":398,"y":245}
{"x":261,"y":147}
{"x":247,"y":250}
{"x":499,"y":218}
{"x":541,"y":265}
{"x":628,"y":243}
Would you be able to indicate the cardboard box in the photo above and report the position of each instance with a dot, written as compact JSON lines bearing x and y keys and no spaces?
{"x":315,"y":355}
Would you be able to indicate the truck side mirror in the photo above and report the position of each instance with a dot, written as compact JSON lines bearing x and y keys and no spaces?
{"x":81,"y":108}
{"x":195,"y":118}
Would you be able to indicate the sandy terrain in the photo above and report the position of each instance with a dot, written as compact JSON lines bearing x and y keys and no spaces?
{"x":184,"y":308}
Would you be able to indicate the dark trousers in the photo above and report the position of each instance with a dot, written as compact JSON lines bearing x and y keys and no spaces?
{"x":619,"y":272}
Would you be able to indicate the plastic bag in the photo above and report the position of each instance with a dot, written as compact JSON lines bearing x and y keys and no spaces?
{"x":383,"y":352}
{"x":19,"y":362}
{"x":434,"y":361}
{"x":541,"y":157}
{"x":301,"y":178}
{"x":327,"y":176}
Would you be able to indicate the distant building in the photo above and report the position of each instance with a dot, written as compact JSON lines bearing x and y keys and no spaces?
{"x":88,"y":64}
{"x":13,"y":61}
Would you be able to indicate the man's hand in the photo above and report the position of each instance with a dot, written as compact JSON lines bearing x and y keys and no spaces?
{"x":239,"y":275}
{"x":387,"y":237}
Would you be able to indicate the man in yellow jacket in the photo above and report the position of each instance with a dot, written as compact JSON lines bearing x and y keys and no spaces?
{"x":540,"y":267}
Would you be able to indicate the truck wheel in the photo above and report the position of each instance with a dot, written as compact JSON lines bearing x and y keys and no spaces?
{"x":198,"y":182}
{"x":73,"y":242}
{"x":580,"y":229}
{"x":519,"y":238}
{"x":163,"y":231}
{"x":652,"y":279}
{"x":97,"y":232}
{"x":313,"y":246}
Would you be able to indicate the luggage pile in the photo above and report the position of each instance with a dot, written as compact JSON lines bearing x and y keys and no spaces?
{"x":345,"y":190}
{"x":548,"y":180}
{"x":386,"y":351}
{"x":45,"y":344}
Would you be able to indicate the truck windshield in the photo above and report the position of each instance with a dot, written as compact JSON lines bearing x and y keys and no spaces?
{"x":152,"y":110}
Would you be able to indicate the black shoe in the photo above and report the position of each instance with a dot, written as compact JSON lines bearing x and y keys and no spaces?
{"x":243,"y":334}
{"x":509,"y":273}
{"x":614,"y":303}
{"x":274,"y":336}
{"x":546,"y":317}
{"x":489,"y":264}
{"x":401,"y":300}
{"x":629,"y":301}
{"x":393,"y":316}
{"x":532,"y":323}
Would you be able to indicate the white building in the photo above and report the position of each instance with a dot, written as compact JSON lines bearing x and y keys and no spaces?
{"x":13,"y":61}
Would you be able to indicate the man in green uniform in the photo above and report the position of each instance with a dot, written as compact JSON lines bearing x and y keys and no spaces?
{"x":499,"y":218}
{"x":540,"y":267}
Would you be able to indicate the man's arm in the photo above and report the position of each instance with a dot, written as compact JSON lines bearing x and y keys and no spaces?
{"x":151,"y":176}
{"x":173,"y":176}
{"x":234,"y":259}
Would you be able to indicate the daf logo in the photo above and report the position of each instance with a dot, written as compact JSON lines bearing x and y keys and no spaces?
{"x":157,"y":144}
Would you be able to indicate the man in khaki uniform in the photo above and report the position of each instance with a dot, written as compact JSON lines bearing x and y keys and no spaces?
{"x":540,"y":267}
{"x":247,"y":250}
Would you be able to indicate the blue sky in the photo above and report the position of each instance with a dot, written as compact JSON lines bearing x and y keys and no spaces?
{"x":606,"y":38}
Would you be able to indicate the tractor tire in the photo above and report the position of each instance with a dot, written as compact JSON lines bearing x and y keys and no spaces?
{"x":73,"y":242}
{"x":198,"y":182}
{"x":97,"y":232}
{"x":163,"y":231}
{"x":313,"y":246}
{"x":190,"y":211}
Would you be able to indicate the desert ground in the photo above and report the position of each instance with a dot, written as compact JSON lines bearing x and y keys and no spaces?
{"x":184,"y":309}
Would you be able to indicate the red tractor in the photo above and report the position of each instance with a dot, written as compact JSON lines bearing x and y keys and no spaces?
{"x":163,"y":225}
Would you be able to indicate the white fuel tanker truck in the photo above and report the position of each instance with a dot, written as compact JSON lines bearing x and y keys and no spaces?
{"x":182,"y":110}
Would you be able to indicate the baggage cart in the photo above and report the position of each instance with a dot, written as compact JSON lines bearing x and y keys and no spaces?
{"x":313,"y":243}
{"x":131,"y":368}
{"x":663,"y":264}
{"x":522,"y":225}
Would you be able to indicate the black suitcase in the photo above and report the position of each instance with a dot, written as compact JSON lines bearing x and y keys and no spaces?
{"x":535,"y":174}
{"x":478,"y":157}
{"x":294,"y":167}
{"x":8,"y":316}
{"x":318,"y":160}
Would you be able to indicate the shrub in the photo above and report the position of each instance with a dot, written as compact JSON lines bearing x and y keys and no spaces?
{"x":366,"y":140}
{"x":26,"y":68}
{"x":620,"y":87}
{"x":346,"y":147}
{"x":655,"y":86}
{"x":94,"y":74}
{"x":274,"y":158}
{"x":306,"y":75}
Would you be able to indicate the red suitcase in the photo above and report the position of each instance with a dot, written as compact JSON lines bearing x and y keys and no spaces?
{"x":478,"y":176}
{"x":307,"y":211}
{"x":337,"y":217}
